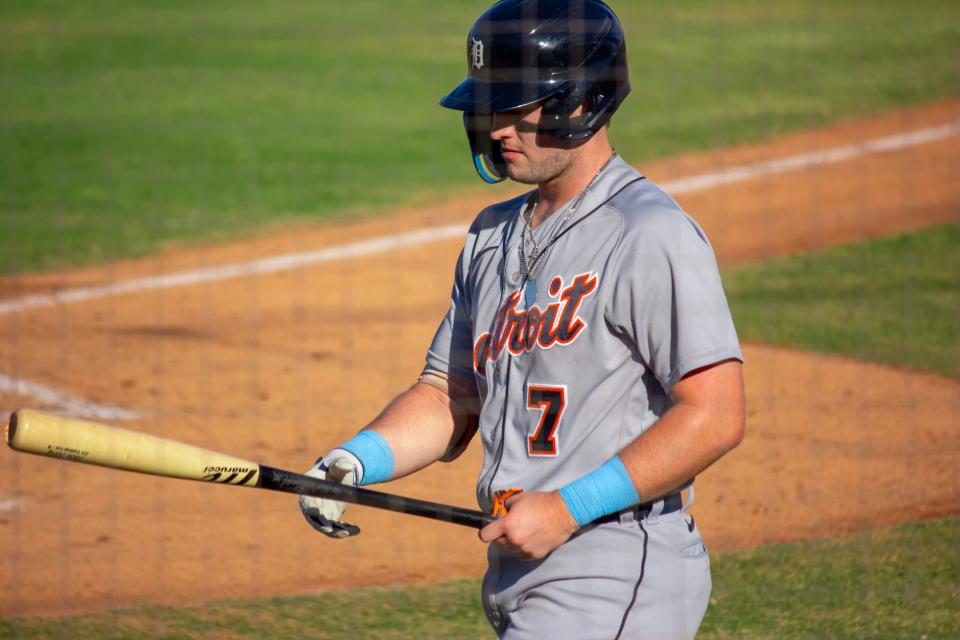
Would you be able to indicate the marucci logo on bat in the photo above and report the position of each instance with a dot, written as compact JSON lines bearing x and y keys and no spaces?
{"x":227,"y":475}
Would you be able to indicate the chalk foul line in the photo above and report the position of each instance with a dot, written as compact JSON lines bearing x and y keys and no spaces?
{"x":273,"y":264}
{"x":71,"y":405}
{"x":8,"y":504}
{"x":287,"y":262}
{"x":812,"y":159}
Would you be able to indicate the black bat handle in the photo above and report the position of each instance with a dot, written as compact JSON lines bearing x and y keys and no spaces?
{"x":289,"y":482}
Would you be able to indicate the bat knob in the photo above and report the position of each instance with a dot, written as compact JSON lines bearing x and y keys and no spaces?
{"x":11,"y":429}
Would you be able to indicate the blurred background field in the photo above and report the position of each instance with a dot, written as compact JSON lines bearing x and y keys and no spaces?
{"x":899,"y":582}
{"x":127,"y":125}
{"x":894,"y":300}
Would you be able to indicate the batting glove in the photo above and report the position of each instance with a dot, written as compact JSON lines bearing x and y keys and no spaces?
{"x":324,"y":514}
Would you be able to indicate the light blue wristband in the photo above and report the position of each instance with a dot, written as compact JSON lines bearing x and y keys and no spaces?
{"x":374,"y":453}
{"x":604,"y":490}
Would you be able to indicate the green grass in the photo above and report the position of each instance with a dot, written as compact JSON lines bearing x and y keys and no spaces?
{"x":444,"y":610}
{"x":900,"y":582}
{"x":127,"y":124}
{"x":894,"y":300}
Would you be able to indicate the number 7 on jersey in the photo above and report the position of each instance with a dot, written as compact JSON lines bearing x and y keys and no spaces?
{"x":550,"y":401}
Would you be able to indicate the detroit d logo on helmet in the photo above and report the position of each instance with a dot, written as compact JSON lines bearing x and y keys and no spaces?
{"x":477,"y":53}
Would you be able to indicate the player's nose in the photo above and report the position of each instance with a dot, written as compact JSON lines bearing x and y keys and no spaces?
{"x":502,"y":132}
{"x":504,"y":126}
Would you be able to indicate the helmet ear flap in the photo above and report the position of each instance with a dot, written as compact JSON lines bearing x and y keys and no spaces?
{"x":558,"y":121}
{"x":565,"y":102}
{"x":487,"y":154}
{"x":599,"y":101}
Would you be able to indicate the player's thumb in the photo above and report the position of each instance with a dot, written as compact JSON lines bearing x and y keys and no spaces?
{"x":492,"y":531}
{"x":345,"y":471}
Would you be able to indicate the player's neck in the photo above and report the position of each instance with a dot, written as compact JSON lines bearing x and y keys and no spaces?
{"x":559,"y":190}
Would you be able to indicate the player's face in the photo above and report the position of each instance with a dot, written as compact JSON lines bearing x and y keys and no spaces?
{"x":531,"y":156}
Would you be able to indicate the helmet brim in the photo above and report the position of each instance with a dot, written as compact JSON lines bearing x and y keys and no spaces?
{"x":482,"y":96}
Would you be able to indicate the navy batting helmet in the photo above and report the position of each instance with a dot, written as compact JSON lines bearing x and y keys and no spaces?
{"x":561,"y":53}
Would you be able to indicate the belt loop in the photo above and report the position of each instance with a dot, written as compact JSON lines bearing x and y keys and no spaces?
{"x":689,"y":501}
{"x":655,"y":510}
{"x":628,"y":515}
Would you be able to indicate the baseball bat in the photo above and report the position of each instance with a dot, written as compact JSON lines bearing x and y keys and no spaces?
{"x":91,"y":443}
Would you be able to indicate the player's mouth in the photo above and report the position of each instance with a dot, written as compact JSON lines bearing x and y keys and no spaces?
{"x":511,"y":154}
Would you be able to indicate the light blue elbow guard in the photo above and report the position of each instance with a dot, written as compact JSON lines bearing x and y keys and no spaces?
{"x":374,"y":453}
{"x":606,"y":489}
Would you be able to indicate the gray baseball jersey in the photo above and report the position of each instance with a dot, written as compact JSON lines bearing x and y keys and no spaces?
{"x":573,"y":365}
{"x":627,"y":302}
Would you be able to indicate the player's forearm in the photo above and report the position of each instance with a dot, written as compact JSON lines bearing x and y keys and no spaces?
{"x":700,"y":428}
{"x":679,"y":446}
{"x":419,"y":425}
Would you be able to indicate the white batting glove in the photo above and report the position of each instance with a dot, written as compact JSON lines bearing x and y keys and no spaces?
{"x":324,"y":514}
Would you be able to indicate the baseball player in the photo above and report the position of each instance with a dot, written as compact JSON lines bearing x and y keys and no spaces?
{"x":588,"y":341}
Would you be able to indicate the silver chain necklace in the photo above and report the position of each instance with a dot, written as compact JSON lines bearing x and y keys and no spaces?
{"x":532,"y":261}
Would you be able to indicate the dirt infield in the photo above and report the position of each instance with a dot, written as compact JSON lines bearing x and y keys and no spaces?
{"x":280,"y":367}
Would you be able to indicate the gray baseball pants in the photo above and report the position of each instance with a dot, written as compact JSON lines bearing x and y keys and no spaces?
{"x":643,"y":578}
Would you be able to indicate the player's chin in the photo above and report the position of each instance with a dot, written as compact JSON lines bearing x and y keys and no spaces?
{"x":520,"y":174}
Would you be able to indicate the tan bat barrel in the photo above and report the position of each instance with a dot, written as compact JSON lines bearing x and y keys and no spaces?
{"x":80,"y":441}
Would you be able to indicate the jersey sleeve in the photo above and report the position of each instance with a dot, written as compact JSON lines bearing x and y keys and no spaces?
{"x":667,"y":298}
{"x":451,"y":351}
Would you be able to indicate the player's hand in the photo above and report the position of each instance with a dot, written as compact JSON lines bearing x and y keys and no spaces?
{"x":536,"y":524}
{"x":324,"y":514}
